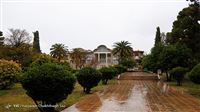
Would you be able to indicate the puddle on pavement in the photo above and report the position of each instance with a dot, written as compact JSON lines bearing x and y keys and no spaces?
{"x":135,"y":102}
{"x":137,"y":96}
{"x":125,"y":96}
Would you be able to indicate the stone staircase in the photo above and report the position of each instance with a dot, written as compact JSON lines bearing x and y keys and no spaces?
{"x":138,"y":76}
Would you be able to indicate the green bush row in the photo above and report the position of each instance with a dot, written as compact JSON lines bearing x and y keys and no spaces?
{"x":178,"y":74}
{"x":48,"y":82}
{"x":194,"y":74}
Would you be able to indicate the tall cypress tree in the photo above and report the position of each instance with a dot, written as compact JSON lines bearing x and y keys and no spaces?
{"x":158,"y":36}
{"x":36,"y":42}
{"x":1,"y":38}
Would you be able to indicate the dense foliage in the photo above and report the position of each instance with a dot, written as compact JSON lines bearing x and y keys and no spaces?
{"x":151,"y":62}
{"x":17,"y":47}
{"x":120,"y":69}
{"x":88,"y":78}
{"x":48,"y":84}
{"x":194,"y":74}
{"x":128,"y":62}
{"x":8,"y":73}
{"x":58,"y":51}
{"x":180,"y":47}
{"x":107,"y":73}
{"x":123,"y":50}
{"x":174,"y":56}
{"x":78,"y":56}
{"x":178,"y":74}
{"x":186,"y":29}
{"x":40,"y":59}
{"x":166,"y":57}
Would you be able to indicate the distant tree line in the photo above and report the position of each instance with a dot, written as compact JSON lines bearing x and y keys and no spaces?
{"x":17,"y":46}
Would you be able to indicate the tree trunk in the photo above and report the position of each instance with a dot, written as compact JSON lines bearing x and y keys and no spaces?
{"x":87,"y":90}
{"x":49,"y":107}
{"x":178,"y":83}
{"x":38,"y":106}
{"x":170,"y":77}
{"x":167,"y":76}
{"x":106,"y":81}
{"x":84,"y":89}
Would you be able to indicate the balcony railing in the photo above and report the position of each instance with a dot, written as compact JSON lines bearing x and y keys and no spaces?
{"x":104,"y":60}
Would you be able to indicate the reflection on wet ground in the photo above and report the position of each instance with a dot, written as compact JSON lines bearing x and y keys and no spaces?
{"x":137,"y":96}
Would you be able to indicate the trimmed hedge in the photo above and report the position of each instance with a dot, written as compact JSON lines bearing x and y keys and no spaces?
{"x":107,"y":73}
{"x":48,"y":84}
{"x":178,"y":74}
{"x":194,"y":74}
{"x":120,"y":69}
{"x":128,"y":63}
{"x":88,"y":78}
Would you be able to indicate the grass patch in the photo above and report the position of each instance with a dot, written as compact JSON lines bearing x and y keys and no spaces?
{"x":3,"y":92}
{"x":189,"y":87}
{"x":16,"y":95}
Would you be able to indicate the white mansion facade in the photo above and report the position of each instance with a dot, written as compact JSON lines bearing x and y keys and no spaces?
{"x":102,"y":56}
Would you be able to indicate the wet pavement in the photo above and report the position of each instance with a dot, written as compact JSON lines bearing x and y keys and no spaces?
{"x":137,"y":96}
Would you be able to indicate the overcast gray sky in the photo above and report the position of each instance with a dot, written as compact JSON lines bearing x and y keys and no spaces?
{"x":89,"y":23}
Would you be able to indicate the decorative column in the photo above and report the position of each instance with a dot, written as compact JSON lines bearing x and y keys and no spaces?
{"x":98,"y":57}
{"x":106,"y":59}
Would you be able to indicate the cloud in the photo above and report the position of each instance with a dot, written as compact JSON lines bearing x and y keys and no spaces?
{"x":89,"y":23}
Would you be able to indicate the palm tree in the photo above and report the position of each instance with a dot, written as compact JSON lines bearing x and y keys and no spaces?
{"x":123,"y":50}
{"x":78,"y":56}
{"x":58,"y":51}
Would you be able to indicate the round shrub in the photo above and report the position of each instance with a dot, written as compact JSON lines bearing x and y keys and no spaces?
{"x":120,"y":69}
{"x":88,"y":78}
{"x":178,"y":74}
{"x":128,"y":63}
{"x":107,"y":74}
{"x":114,"y":70}
{"x":194,"y":74}
{"x":48,"y":84}
{"x":9,"y":70}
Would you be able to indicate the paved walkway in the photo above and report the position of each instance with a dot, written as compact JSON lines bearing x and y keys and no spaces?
{"x":137,"y":96}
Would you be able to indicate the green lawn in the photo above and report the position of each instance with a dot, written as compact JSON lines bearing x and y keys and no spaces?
{"x":16,"y":95}
{"x":189,"y":87}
